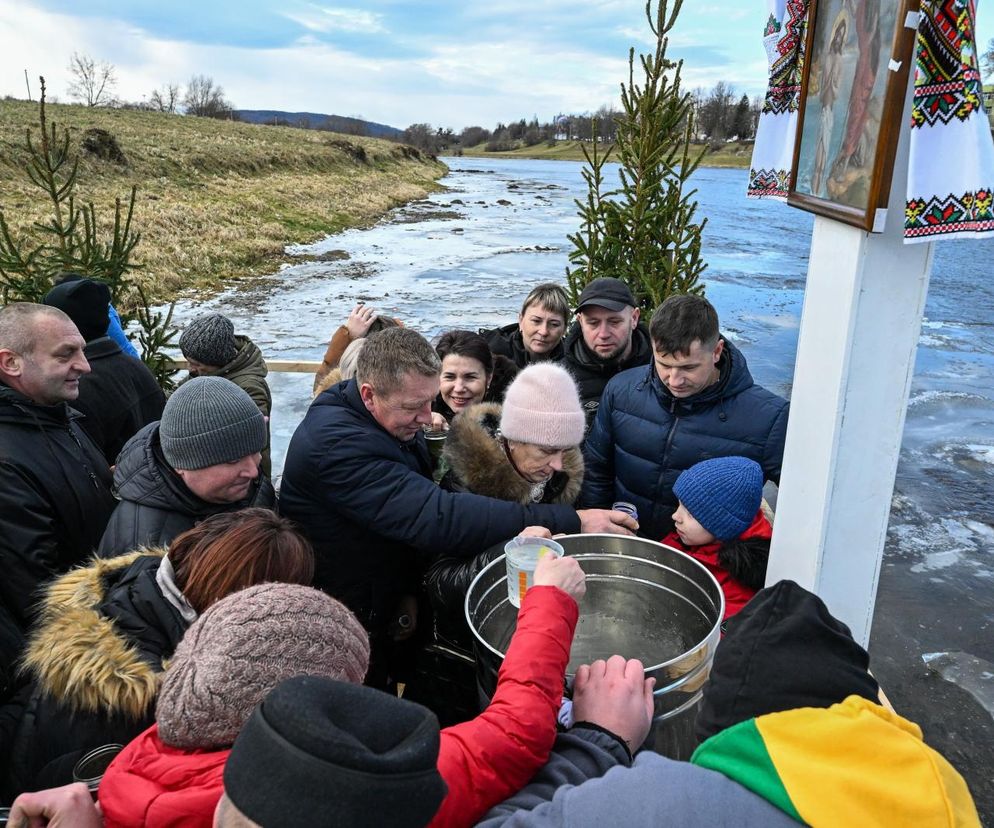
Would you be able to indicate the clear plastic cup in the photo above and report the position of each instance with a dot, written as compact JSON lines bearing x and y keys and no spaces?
{"x":436,"y":443}
{"x":90,"y":769}
{"x":522,"y":556}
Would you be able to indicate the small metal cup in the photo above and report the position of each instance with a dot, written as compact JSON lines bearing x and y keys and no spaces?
{"x":91,"y":768}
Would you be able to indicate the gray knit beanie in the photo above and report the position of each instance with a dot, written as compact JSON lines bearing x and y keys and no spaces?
{"x":207,"y":421}
{"x":209,"y":339}
{"x":242,"y":647}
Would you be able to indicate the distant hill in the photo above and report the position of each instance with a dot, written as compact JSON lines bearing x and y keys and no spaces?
{"x":315,"y":120}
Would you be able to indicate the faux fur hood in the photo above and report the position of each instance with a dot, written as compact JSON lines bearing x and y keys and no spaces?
{"x":79,"y":656}
{"x":479,"y":464}
{"x":333,"y":377}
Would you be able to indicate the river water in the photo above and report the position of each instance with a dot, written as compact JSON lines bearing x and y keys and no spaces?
{"x":465,"y":257}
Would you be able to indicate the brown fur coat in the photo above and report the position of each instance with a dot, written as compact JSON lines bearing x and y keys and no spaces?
{"x":477,"y":462}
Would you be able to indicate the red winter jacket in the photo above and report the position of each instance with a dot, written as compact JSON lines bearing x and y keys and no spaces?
{"x":488,"y":759}
{"x":737,"y":594}
{"x":157,"y":786}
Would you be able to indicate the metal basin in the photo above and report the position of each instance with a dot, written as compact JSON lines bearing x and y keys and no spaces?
{"x":645,"y":601}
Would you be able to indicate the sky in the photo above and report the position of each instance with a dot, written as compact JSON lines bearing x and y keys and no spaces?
{"x":451,"y":63}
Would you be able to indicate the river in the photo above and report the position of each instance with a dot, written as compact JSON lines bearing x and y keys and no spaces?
{"x":466,"y":256}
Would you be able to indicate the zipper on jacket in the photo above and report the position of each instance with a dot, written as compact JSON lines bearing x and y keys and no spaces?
{"x":82,"y":457}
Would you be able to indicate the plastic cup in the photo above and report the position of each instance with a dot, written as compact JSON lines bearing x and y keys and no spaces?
{"x":522,"y":556}
{"x":90,"y":769}
{"x":436,"y":442}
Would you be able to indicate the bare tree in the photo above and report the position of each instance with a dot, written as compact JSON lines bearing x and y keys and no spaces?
{"x":93,"y":81}
{"x":165,"y":99}
{"x":205,"y":97}
{"x":987,"y":58}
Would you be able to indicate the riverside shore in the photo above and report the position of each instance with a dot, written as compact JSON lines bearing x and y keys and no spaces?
{"x":217,"y":200}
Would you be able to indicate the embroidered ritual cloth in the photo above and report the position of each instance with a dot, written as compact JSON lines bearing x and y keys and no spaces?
{"x":951,"y":172}
{"x":773,"y":153}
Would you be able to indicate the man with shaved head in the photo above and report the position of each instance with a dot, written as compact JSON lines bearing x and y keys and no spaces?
{"x":55,"y":495}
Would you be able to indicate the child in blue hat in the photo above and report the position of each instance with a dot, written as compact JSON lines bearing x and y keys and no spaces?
{"x":721,"y":524}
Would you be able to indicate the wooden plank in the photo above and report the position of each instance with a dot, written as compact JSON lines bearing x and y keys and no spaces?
{"x":276,"y":366}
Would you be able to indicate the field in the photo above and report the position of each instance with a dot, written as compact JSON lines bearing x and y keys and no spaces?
{"x":217,"y":200}
{"x":737,"y":154}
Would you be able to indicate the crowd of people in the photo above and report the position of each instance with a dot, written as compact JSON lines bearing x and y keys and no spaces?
{"x":273,"y":659}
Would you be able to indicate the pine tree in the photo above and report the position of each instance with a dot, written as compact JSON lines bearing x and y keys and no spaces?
{"x":644,"y":231}
{"x":69,"y":242}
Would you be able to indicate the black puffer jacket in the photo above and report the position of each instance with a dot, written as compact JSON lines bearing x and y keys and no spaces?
{"x":592,"y":374}
{"x":94,"y":662}
{"x":55,"y":499}
{"x":508,"y":342}
{"x":477,"y":463}
{"x":117,"y":397}
{"x":504,"y":373}
{"x":368,"y":504}
{"x":155,"y":504}
{"x":644,"y":437}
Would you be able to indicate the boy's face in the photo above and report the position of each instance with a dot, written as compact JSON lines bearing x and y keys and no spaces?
{"x":689,"y":530}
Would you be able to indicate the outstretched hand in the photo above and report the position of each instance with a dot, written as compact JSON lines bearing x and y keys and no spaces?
{"x":593,"y":521}
{"x":67,"y":807}
{"x":564,"y":573}
{"x":615,"y":695}
{"x":360,"y":319}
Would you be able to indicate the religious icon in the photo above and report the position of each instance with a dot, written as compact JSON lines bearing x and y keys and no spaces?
{"x":854,"y":82}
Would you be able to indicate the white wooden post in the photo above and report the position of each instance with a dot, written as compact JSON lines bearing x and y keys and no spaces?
{"x":863,"y":306}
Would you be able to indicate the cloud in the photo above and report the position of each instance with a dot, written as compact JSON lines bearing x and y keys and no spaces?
{"x":323,"y":19}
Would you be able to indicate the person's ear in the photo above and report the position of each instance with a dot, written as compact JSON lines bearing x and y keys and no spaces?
{"x":636,"y":312}
{"x":719,"y":349}
{"x":11,"y":362}
{"x":367,"y":393}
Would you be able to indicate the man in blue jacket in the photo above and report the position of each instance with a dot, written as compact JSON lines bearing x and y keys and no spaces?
{"x":696,"y":401}
{"x":357,"y":481}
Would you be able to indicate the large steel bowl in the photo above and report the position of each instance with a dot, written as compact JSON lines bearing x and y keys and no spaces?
{"x":644,"y":600}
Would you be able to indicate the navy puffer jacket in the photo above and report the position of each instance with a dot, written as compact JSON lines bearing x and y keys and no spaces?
{"x":367,"y":503}
{"x":643,"y":437}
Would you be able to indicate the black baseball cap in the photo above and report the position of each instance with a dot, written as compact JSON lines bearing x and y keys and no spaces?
{"x":606,"y":292}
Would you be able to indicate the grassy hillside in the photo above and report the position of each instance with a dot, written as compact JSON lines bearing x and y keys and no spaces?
{"x":736,"y":154}
{"x":217,"y":199}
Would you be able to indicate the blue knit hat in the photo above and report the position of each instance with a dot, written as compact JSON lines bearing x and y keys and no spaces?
{"x":722,"y":494}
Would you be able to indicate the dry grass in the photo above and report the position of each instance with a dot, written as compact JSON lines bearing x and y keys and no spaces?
{"x":216,"y":200}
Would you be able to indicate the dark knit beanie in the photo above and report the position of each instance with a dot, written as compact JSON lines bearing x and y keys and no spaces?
{"x":321,"y":752}
{"x":210,"y":420}
{"x":85,"y":302}
{"x":242,"y":647}
{"x":722,"y":494}
{"x":783,"y":651}
{"x":210,"y":339}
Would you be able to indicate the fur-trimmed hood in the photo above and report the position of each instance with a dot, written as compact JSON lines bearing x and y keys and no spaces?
{"x":81,"y":652}
{"x":478,"y":462}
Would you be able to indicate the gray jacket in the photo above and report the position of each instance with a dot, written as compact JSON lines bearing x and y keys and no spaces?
{"x":588,"y":783}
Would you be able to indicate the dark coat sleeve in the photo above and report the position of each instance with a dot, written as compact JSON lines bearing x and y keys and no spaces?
{"x":598,"y":458}
{"x":577,"y":756}
{"x":29,"y":545}
{"x":773,"y":453}
{"x":407,"y":507}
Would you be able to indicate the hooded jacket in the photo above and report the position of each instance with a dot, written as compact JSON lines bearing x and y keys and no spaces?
{"x":739,"y":566}
{"x":507,"y":341}
{"x":477,"y":463}
{"x":55,"y":499}
{"x":117,"y":398}
{"x":644,"y":437}
{"x":367,"y":503}
{"x":155,"y":504}
{"x":592,"y":374}
{"x":248,"y":371}
{"x":154,"y":785}
{"x":94,"y":660}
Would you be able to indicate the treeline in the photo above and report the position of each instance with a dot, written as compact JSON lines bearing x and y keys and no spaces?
{"x":720,"y":115}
